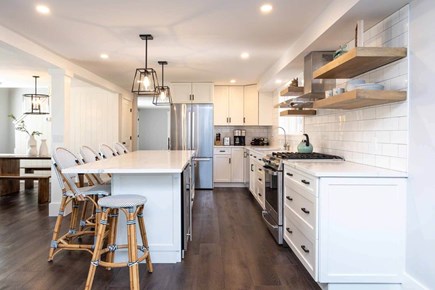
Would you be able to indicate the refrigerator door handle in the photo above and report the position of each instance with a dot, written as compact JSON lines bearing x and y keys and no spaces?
{"x":189,"y":132}
{"x":193,"y":132}
{"x":169,"y":143}
{"x":201,"y":158}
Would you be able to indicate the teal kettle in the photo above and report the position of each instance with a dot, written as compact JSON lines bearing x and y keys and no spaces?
{"x":305,"y":146}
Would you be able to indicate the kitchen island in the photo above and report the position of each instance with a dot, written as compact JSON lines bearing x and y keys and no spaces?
{"x":158,"y":175}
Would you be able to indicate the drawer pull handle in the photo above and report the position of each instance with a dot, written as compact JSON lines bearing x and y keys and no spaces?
{"x":288,"y":230}
{"x":305,"y":182}
{"x":221,"y":150}
{"x":260,"y":179}
{"x":255,"y":156}
{"x":289,"y":174}
{"x":260,"y":194}
{"x":305,"y":210}
{"x":289,"y":198}
{"x":259,"y":169}
{"x":305,"y":249}
{"x":251,"y":167}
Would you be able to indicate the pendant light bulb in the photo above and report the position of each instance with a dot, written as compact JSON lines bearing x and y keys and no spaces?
{"x":146,"y":83}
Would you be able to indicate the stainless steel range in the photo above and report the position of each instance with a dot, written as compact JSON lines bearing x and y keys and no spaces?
{"x":273,"y":215}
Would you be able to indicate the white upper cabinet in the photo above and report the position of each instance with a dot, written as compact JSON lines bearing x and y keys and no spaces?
{"x":265,"y":111}
{"x":220,"y":102}
{"x":192,"y":92}
{"x":250,"y":105}
{"x":235,"y":105}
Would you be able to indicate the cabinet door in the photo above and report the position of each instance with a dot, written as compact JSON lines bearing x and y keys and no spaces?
{"x":221,"y":168}
{"x":220,"y":102}
{"x":265,"y":112}
{"x":235,"y":107}
{"x":202,"y":93}
{"x":237,"y":165}
{"x":246,"y":168}
{"x":252,"y":170}
{"x":181,"y":92}
{"x":250,"y":105}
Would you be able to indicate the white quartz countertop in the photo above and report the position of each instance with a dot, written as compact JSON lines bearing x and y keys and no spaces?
{"x":144,"y":161}
{"x":342,"y":169}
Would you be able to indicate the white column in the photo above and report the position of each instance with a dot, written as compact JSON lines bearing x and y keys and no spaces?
{"x":60,"y":124}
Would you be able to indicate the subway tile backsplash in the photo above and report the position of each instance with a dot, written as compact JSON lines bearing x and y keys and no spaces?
{"x":251,"y":132}
{"x":378,"y":135}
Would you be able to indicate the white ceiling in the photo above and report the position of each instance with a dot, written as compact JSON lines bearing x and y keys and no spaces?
{"x":201,"y":39}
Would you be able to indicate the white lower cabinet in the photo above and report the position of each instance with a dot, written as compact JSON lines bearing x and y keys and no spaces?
{"x":257,"y":177}
{"x":348,"y":232}
{"x":228,"y":165}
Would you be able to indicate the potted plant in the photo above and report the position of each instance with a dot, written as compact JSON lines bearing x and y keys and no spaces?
{"x":21,"y":126}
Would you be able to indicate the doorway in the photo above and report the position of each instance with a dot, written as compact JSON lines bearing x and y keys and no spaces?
{"x":153,"y":128}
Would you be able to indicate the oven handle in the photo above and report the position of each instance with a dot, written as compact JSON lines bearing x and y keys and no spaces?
{"x":270,"y":171}
{"x":263,"y":214}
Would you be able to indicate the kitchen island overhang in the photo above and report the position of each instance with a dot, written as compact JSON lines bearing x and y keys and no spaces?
{"x":156,"y":174}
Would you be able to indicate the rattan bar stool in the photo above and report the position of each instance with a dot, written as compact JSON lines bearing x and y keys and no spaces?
{"x":132,"y":206}
{"x":89,"y":155}
{"x":63,"y":158}
{"x":120,"y":148}
{"x":107,"y":152}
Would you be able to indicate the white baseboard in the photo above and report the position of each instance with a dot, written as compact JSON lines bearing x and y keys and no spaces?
{"x":53,"y":209}
{"x":410,"y":283}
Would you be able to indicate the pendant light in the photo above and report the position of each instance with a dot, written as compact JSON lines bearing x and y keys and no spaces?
{"x":145,"y":79}
{"x":163,"y":93}
{"x":36,"y":104}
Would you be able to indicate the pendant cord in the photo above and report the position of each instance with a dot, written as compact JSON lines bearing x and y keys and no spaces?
{"x":163,"y":76}
{"x":146,"y":53}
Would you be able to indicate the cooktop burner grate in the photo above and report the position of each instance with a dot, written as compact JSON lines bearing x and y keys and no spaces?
{"x":297,"y":155}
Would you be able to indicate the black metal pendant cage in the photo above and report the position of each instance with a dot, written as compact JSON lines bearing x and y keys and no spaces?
{"x":145,"y":82}
{"x":163,"y":96}
{"x":36,"y":104}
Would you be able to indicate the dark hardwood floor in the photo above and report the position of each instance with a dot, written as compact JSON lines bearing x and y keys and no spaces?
{"x":231,"y":249}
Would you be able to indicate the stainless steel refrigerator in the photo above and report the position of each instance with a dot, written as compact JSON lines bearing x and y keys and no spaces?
{"x":192,"y":129}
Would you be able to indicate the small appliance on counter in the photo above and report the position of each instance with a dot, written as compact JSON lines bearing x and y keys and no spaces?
{"x":217,"y":141}
{"x":227,"y":141}
{"x":239,"y":137}
{"x":260,"y":141}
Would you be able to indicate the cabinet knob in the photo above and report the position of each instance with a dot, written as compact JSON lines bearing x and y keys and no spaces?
{"x":303,"y":247}
{"x":259,"y":194}
{"x":260,"y":179}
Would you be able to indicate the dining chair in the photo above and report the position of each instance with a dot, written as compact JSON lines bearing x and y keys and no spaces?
{"x":107,"y":152}
{"x":71,"y":193}
{"x":120,"y":148}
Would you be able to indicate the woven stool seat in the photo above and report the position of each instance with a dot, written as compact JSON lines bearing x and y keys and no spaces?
{"x":99,"y":189}
{"x":122,"y":201}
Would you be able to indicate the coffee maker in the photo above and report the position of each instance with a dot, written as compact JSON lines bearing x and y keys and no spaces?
{"x":239,"y":137}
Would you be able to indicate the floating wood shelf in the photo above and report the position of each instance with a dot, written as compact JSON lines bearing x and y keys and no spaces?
{"x":292,"y":113}
{"x":359,"y":99}
{"x":295,"y":104}
{"x":292,"y":91}
{"x":359,"y":60}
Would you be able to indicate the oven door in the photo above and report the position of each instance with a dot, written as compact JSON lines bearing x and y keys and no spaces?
{"x":273,"y":194}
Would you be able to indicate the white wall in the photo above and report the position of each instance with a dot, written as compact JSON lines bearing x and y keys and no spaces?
{"x":153,"y":129}
{"x":421,"y":196}
{"x":94,"y":117}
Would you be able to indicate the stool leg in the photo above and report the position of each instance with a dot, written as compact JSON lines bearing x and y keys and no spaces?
{"x":57,"y":228}
{"x":111,"y":240}
{"x":98,"y":246}
{"x":143,"y":234}
{"x":74,"y":216}
{"x":132,"y":250}
{"x":83,"y":215}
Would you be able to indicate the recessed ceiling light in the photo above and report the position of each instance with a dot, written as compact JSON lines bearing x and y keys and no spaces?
{"x":266,"y":8}
{"x":104,"y":56}
{"x":232,"y":81}
{"x":278,"y":81}
{"x":43,"y":9}
{"x":244,"y":55}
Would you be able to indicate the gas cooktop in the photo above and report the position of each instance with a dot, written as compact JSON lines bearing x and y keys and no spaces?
{"x":296,"y":155}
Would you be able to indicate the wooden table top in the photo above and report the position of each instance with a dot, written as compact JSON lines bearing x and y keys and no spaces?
{"x":23,"y":156}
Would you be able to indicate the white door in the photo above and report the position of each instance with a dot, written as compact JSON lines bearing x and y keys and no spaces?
{"x":237,"y":164}
{"x":236,"y":105}
{"x":202,"y":93}
{"x":221,"y":168}
{"x":220,"y":102}
{"x":181,"y":92}
{"x":250,"y":105}
{"x":126,"y":123}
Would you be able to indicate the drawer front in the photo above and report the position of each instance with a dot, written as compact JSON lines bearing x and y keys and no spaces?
{"x":304,"y":249}
{"x":260,"y":174}
{"x":302,"y":209}
{"x":304,"y":181}
{"x":260,"y":193}
{"x":222,"y":151}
